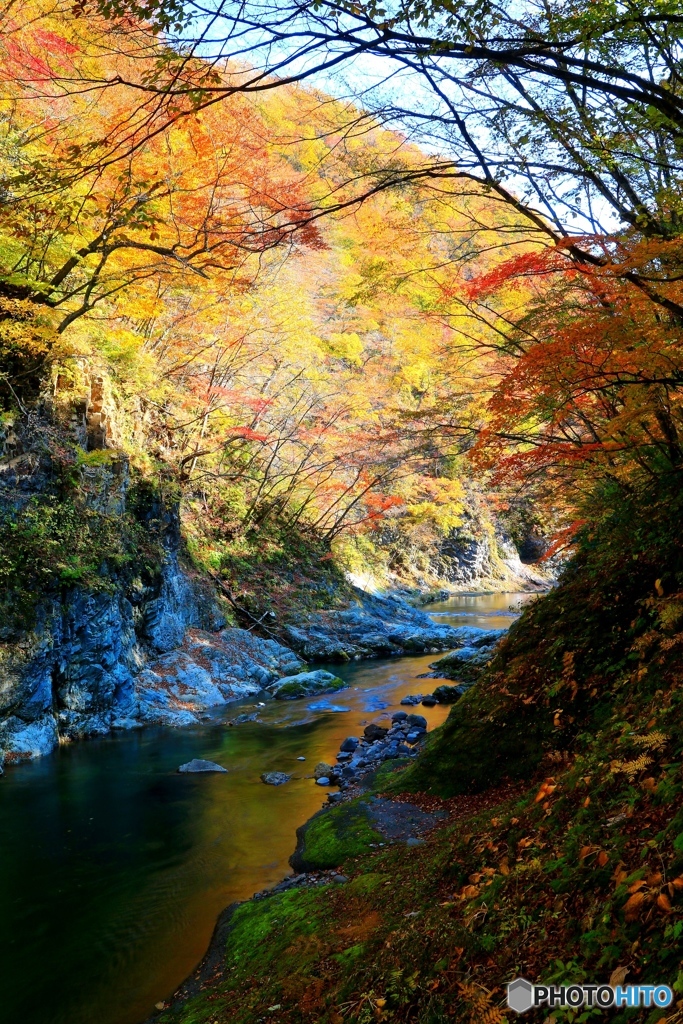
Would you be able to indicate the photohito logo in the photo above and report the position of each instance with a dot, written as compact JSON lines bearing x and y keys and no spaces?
{"x":523,"y":996}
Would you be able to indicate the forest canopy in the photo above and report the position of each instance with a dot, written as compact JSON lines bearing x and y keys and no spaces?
{"x":329,"y":309}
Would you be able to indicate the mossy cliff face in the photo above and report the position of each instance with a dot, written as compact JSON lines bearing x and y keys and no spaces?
{"x":105,"y":624}
{"x":562,"y":856}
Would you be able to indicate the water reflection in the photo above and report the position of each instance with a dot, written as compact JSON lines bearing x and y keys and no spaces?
{"x":113,"y":867}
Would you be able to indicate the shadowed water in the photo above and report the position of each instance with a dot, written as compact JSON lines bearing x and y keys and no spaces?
{"x":113,"y":868}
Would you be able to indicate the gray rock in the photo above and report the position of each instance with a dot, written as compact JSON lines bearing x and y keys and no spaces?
{"x":344,"y":756}
{"x":275,"y":778}
{"x":349,"y":744}
{"x":374,"y":732}
{"x":301,"y":758}
{"x":465,"y":664}
{"x":414,"y":842}
{"x":413,"y":737}
{"x":96,"y":662}
{"x":399,"y":716}
{"x":449,"y":694}
{"x":197,"y":765}
{"x":430,"y":702}
{"x":370,"y":627}
{"x":417,"y":721}
{"x":322,"y":781}
{"x":306,"y":684}
{"x":339,"y":879}
{"x":322,"y":768}
{"x":473,"y":636}
{"x":334,"y":798}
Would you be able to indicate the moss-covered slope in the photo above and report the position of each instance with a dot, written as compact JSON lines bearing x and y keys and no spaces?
{"x":562,"y":858}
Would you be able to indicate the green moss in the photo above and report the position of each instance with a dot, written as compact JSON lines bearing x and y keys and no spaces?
{"x":335,"y":835}
{"x":289,"y":691}
{"x":266,"y":936}
{"x":100,"y":457}
{"x":368,"y":883}
{"x":59,"y":540}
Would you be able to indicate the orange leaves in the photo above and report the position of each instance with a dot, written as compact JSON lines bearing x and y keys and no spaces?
{"x":633,"y":905}
{"x":547,"y":788}
{"x":590,"y":851}
{"x":648,"y":893}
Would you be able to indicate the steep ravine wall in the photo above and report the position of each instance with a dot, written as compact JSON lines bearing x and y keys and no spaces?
{"x":132,"y":653}
{"x":94,"y":662}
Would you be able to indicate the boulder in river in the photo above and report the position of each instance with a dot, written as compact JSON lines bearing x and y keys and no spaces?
{"x":306,"y":684}
{"x":374,"y":732}
{"x":198,"y":765}
{"x":449,"y":694}
{"x":474,"y":636}
{"x":322,"y":769}
{"x":465,"y":664}
{"x":275,"y":778}
{"x":349,"y":744}
{"x":417,"y":721}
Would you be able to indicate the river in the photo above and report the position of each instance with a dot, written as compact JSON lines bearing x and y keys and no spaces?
{"x":113,"y":868}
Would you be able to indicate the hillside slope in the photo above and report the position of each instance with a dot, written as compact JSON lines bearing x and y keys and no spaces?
{"x":562,"y":855}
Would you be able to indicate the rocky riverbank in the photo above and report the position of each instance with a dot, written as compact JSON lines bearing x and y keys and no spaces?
{"x":164,"y":655}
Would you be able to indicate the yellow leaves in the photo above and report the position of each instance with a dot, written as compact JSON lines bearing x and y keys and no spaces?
{"x":347,"y":346}
{"x":653,"y":740}
{"x":630,"y":768}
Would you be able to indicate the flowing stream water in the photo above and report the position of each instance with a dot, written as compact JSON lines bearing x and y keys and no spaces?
{"x":113,"y":868}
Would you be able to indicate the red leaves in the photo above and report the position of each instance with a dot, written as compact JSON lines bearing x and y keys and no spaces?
{"x":527,"y":265}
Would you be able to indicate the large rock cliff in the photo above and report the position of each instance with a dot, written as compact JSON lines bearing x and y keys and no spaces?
{"x":99,"y":661}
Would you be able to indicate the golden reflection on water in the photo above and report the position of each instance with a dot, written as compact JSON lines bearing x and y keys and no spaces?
{"x":113,"y":868}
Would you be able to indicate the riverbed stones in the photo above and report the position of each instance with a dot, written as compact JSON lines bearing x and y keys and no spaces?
{"x":374,"y":732}
{"x":322,"y":769}
{"x":275,"y":778}
{"x":199,"y":765}
{"x":399,"y":716}
{"x":349,"y":744}
{"x":322,"y":781}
